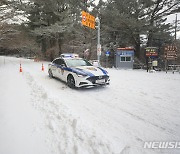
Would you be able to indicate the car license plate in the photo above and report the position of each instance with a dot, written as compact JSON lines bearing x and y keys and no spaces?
{"x":100,"y":81}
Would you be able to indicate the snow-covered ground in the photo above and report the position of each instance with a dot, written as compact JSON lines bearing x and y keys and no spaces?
{"x":39,"y":115}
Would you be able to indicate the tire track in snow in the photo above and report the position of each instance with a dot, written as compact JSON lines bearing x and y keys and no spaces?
{"x":140,"y":118}
{"x":67,"y":135}
{"x":140,"y":137}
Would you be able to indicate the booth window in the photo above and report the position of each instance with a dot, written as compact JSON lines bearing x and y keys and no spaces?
{"x":125,"y":59}
{"x":128,"y":58}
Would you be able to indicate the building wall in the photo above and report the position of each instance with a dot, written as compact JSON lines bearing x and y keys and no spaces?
{"x":124,"y":59}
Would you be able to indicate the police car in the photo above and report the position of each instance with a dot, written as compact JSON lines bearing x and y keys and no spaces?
{"x":77,"y":72}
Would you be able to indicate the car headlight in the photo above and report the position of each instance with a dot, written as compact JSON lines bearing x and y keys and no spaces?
{"x":81,"y":75}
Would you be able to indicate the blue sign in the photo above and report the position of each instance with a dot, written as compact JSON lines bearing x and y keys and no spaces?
{"x":107,"y":53}
{"x":125,"y":52}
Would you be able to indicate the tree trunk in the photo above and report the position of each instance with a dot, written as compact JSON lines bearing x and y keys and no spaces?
{"x":60,"y":44}
{"x":137,"y":50}
{"x":43,"y":45}
{"x":137,"y":46}
{"x":150,"y":39}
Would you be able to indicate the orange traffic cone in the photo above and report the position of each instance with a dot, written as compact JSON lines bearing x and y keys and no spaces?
{"x":42,"y":67}
{"x":20,"y":69}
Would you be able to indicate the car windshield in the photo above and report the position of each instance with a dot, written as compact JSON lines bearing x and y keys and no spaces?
{"x":77,"y":62}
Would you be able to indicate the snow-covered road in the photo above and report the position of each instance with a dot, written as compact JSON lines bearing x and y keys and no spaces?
{"x":43,"y":115}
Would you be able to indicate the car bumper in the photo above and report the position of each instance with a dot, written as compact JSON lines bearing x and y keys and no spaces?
{"x":92,"y":81}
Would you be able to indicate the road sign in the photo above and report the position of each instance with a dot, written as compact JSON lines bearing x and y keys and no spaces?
{"x":107,"y":53}
{"x":88,"y":20}
{"x":170,"y":52}
{"x":155,"y":63}
{"x":99,"y":50}
{"x":84,"y":22}
{"x":151,"y":52}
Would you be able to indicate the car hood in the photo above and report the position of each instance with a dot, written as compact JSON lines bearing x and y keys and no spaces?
{"x":91,"y":70}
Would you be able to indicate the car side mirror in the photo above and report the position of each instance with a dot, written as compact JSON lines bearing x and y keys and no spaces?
{"x":63,"y":65}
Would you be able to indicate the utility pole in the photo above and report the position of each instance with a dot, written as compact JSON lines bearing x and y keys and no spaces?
{"x":176,"y":25}
{"x":89,"y":21}
{"x":98,"y":40}
{"x":176,"y":28}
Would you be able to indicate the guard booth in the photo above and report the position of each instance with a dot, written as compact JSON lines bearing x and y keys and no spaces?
{"x":124,"y":58}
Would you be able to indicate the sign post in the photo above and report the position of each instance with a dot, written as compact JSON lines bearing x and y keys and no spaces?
{"x":151,"y":53}
{"x":88,"y":20}
{"x":98,"y":40}
{"x":107,"y":56}
{"x":170,"y":54}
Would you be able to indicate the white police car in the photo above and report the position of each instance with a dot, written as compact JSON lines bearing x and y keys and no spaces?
{"x":77,"y":72}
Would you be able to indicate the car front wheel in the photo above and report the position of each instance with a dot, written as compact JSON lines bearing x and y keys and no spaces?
{"x":50,"y":73}
{"x":71,"y":81}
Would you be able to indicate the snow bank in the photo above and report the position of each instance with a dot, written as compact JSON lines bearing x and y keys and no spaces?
{"x":43,"y":115}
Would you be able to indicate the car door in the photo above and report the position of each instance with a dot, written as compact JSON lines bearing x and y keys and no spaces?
{"x":54,"y":67}
{"x":61,"y":69}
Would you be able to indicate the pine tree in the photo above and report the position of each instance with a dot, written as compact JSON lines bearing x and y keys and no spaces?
{"x":124,"y":22}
